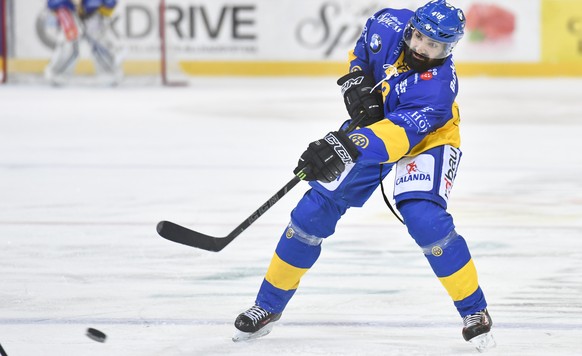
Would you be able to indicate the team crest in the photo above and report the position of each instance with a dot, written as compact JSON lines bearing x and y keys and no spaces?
{"x":360,"y":140}
{"x":437,"y":251}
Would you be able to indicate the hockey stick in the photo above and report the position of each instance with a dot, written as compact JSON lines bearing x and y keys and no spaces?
{"x":182,"y":235}
{"x":2,"y":352}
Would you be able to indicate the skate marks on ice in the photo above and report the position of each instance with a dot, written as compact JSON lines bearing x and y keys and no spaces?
{"x":83,"y":195}
{"x":212,"y":337}
{"x":384,"y":299}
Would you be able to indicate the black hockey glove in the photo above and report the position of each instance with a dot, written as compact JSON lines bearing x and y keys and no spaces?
{"x":325,"y":159}
{"x":359,"y":97}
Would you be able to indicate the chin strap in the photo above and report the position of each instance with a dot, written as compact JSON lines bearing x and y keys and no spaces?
{"x":386,"y":200}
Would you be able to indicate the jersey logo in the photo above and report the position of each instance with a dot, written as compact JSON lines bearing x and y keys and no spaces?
{"x":411,"y":167}
{"x":375,"y":43}
{"x":414,"y":174}
{"x":360,"y":140}
{"x":451,"y":159}
{"x":426,"y":76}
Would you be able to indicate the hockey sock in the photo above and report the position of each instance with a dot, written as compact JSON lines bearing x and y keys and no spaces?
{"x":446,"y":251}
{"x":294,"y":255}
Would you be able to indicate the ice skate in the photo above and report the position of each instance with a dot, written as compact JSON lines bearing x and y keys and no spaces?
{"x":477,"y":330}
{"x":254,"y":323}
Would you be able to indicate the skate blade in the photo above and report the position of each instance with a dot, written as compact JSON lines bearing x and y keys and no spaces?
{"x":483,"y":342}
{"x":243,"y":336}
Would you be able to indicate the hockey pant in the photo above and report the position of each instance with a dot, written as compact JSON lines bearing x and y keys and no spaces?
{"x":424,"y":213}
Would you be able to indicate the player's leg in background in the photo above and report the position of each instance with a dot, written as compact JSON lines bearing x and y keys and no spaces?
{"x":107,"y":55}
{"x":66,"y":51}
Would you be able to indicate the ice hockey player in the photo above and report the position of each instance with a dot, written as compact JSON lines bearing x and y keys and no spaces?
{"x":86,"y":20}
{"x":411,"y":125}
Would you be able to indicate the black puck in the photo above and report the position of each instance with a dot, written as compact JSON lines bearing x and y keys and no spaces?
{"x":96,"y":335}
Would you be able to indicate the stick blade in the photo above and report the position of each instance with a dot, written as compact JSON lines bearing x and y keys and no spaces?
{"x":182,"y":235}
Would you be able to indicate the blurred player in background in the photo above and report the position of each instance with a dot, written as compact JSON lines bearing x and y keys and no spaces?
{"x":401,"y":88}
{"x":86,"y":20}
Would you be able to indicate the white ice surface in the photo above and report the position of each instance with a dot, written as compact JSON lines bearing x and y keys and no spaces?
{"x":86,"y":173}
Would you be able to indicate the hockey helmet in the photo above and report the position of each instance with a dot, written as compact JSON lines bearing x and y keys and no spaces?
{"x":441,"y":22}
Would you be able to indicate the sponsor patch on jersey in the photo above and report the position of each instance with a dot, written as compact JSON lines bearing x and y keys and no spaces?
{"x":451,"y":160}
{"x":359,"y":140}
{"x":414,"y":174}
{"x":375,"y":43}
{"x":426,"y":76}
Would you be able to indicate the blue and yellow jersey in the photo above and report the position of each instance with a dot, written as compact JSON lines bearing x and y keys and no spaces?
{"x":86,"y":7}
{"x":419,"y":108}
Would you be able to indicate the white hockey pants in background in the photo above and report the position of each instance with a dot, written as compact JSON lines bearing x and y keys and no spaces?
{"x":107,"y":59}
{"x":66,"y":52}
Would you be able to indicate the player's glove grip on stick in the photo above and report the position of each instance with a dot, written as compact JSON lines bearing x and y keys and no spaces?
{"x":359,"y":96}
{"x":325,"y":159}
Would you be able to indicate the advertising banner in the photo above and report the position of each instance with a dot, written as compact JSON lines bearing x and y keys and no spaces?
{"x":281,"y":30}
{"x":502,"y":37}
{"x":562,"y":31}
{"x":500,"y":31}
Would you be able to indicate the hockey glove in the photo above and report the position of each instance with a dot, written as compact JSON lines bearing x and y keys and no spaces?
{"x":360,"y":97}
{"x":325,"y":159}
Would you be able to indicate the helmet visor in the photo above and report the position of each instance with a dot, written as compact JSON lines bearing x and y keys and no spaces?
{"x":426,"y":46}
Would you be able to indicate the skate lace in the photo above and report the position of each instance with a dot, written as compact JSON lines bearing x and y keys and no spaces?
{"x":473,"y":319}
{"x":256,"y":313}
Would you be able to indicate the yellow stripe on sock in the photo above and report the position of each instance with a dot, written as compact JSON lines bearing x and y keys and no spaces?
{"x":462,"y":283}
{"x":282,"y":275}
